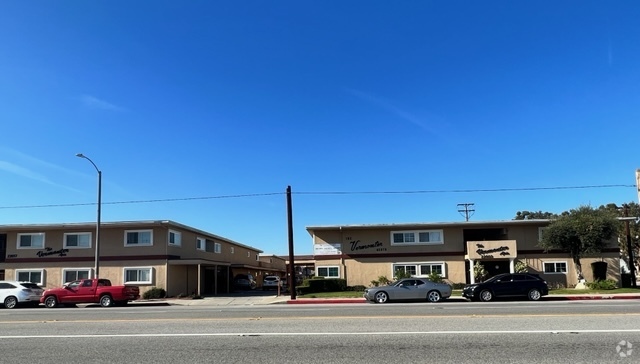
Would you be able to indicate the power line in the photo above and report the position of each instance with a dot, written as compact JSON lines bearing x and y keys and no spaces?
{"x":318,"y":193}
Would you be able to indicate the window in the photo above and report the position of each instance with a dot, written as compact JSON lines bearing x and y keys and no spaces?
{"x":328,"y":272}
{"x":408,"y":269}
{"x":426,"y":269}
{"x":555,"y":267}
{"x":69,"y":275}
{"x":257,"y":257}
{"x":175,"y":238}
{"x":77,"y":240}
{"x":248,"y":254}
{"x":417,"y":237}
{"x":200,"y":244}
{"x":423,"y":269}
{"x":217,"y":248}
{"x":138,"y":275}
{"x":31,"y":241}
{"x":138,"y":238}
{"x":34,"y":276}
{"x":540,"y":232}
{"x":232,"y":250}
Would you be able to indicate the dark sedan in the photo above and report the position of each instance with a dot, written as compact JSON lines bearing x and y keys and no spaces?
{"x":507,"y":285}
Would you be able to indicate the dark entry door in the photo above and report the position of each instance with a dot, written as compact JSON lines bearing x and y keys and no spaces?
{"x":495,"y":267}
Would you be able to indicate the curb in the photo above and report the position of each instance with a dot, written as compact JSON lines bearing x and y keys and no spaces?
{"x":304,"y":301}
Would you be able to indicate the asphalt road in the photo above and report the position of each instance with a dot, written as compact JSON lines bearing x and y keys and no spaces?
{"x":500,"y":332}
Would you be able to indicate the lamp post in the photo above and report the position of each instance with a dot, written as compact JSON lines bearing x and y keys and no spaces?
{"x":97,"y":258}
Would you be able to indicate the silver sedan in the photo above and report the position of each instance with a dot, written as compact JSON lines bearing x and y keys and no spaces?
{"x":409,"y":289}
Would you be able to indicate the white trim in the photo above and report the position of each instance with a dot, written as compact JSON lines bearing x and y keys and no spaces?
{"x":203,"y":246}
{"x":233,"y":250}
{"x":151,"y":275}
{"x":555,"y":262}
{"x":41,"y":271}
{"x":217,"y":248}
{"x":150,"y":231}
{"x":65,"y":270}
{"x":175,"y":234}
{"x":418,"y":268}
{"x":64,"y":240}
{"x":327,"y":267}
{"x":31,"y":246}
{"x":416,"y":237}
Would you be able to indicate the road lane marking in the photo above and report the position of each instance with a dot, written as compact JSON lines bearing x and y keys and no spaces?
{"x":380,"y":333}
{"x":260,"y":318}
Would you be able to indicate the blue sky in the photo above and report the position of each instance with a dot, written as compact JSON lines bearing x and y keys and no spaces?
{"x":222,"y":105}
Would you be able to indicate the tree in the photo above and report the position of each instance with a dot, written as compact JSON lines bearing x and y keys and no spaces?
{"x":632,"y":210}
{"x":580,"y":231}
{"x":532,"y":215}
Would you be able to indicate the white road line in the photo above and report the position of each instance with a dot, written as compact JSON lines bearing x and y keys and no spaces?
{"x":382,"y":333}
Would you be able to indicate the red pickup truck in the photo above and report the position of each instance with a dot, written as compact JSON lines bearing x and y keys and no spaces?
{"x":90,"y":291}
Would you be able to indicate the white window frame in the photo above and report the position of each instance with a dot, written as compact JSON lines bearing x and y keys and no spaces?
{"x":217,"y":248}
{"x":65,"y":270}
{"x":327,"y":267}
{"x":233,"y":250}
{"x":201,"y":244}
{"x":124,"y":275}
{"x":257,"y":257}
{"x":20,"y":235}
{"x":66,"y":246}
{"x":41,"y":271}
{"x":415,"y":234}
{"x":555,"y":265}
{"x":418,"y":266}
{"x":540,"y":232}
{"x":248,"y":254}
{"x":127,"y":244}
{"x":175,"y":234}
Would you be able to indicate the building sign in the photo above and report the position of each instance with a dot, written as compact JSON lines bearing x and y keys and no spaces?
{"x":327,"y":249}
{"x":357,"y":245}
{"x":494,"y":249}
{"x":49,"y":251}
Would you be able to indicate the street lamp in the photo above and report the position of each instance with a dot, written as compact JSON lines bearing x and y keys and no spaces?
{"x":97,"y":259}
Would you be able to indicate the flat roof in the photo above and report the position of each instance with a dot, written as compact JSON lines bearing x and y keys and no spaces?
{"x":133,"y":223}
{"x":493,"y":223}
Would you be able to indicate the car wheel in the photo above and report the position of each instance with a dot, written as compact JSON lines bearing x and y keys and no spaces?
{"x":486,"y":296}
{"x":381,"y":297}
{"x":10,"y":302}
{"x":434,"y":296}
{"x":534,"y":294}
{"x":51,"y":302}
{"x":106,"y":301}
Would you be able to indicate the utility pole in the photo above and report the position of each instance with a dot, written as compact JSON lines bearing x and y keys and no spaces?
{"x":292,"y":265}
{"x":466,"y":208}
{"x":632,"y":266}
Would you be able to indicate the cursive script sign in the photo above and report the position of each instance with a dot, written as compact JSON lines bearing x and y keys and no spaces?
{"x":49,"y":251}
{"x":357,"y":245}
{"x":488,"y":253}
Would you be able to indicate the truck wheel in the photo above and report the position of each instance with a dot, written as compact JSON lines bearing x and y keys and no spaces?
{"x":51,"y":302}
{"x":106,"y":301}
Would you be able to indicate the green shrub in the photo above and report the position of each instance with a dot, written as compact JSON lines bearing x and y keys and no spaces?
{"x":458,"y":285}
{"x":606,"y":284}
{"x":401,"y":273}
{"x":154,"y":292}
{"x":358,"y":288}
{"x":435,"y":277}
